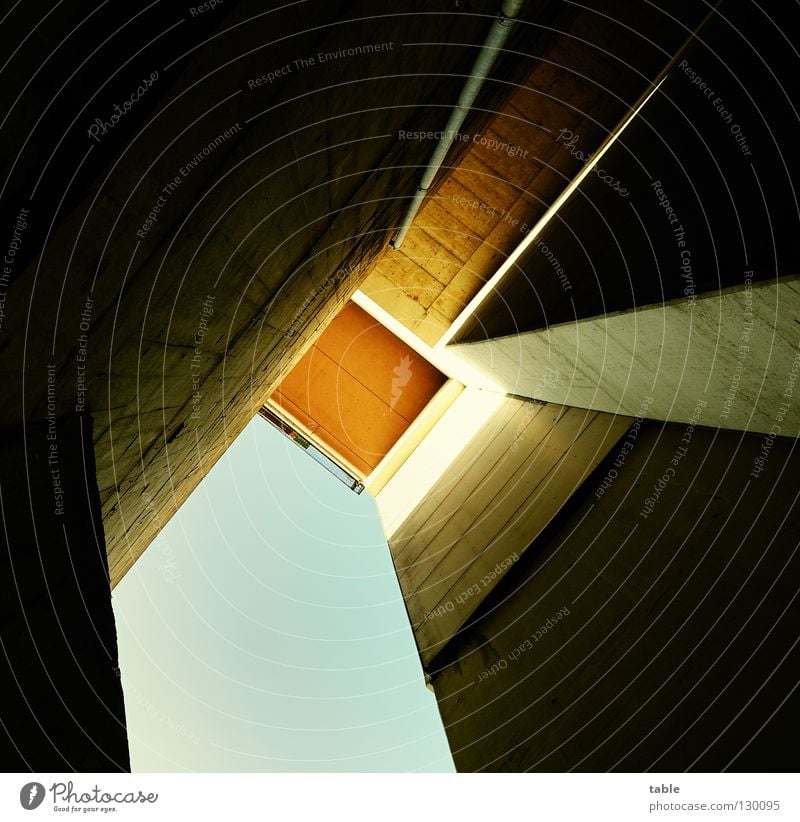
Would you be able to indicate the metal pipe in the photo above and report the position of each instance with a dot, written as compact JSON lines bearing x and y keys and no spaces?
{"x":492,"y":45}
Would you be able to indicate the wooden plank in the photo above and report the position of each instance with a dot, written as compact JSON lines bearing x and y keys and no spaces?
{"x":394,"y":299}
{"x":464,"y":205}
{"x":442,"y":214}
{"x":484,"y":183}
{"x":455,"y":297}
{"x":408,"y":274}
{"x":432,"y":327}
{"x":536,"y":139}
{"x":503,"y":154}
{"x":507,"y":234}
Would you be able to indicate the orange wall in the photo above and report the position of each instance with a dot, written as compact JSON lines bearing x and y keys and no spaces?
{"x":358,"y":388}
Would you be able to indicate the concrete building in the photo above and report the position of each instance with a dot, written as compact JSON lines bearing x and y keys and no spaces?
{"x":564,"y":360}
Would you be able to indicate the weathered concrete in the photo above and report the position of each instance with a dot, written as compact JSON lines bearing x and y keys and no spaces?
{"x":214,"y":230}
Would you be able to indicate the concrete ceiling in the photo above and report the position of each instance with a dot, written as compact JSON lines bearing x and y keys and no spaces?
{"x":709,"y":189}
{"x":585,"y":75}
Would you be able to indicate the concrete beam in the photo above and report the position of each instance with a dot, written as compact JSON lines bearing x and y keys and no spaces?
{"x":729,"y":359}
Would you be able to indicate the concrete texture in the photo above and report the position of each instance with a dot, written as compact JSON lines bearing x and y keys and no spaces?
{"x":585,"y":75}
{"x":171,"y":310}
{"x":503,"y":488}
{"x":664,"y":642}
{"x":730,"y":360}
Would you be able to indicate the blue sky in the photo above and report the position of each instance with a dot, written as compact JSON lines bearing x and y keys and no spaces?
{"x":264,"y":629}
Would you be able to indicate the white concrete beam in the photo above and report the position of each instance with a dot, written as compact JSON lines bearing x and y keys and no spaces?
{"x":730,"y":359}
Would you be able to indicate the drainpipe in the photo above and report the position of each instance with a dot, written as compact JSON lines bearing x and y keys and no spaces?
{"x":492,"y":46}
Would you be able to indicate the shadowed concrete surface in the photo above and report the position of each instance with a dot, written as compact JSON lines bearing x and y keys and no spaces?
{"x":190,"y":194}
{"x":199,"y":243}
{"x":697,"y":195}
{"x":653,"y":626}
{"x":62,"y":696}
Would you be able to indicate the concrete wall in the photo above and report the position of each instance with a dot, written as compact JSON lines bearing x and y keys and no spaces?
{"x":653,"y":626}
{"x":471,"y":527}
{"x":173,"y":331}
